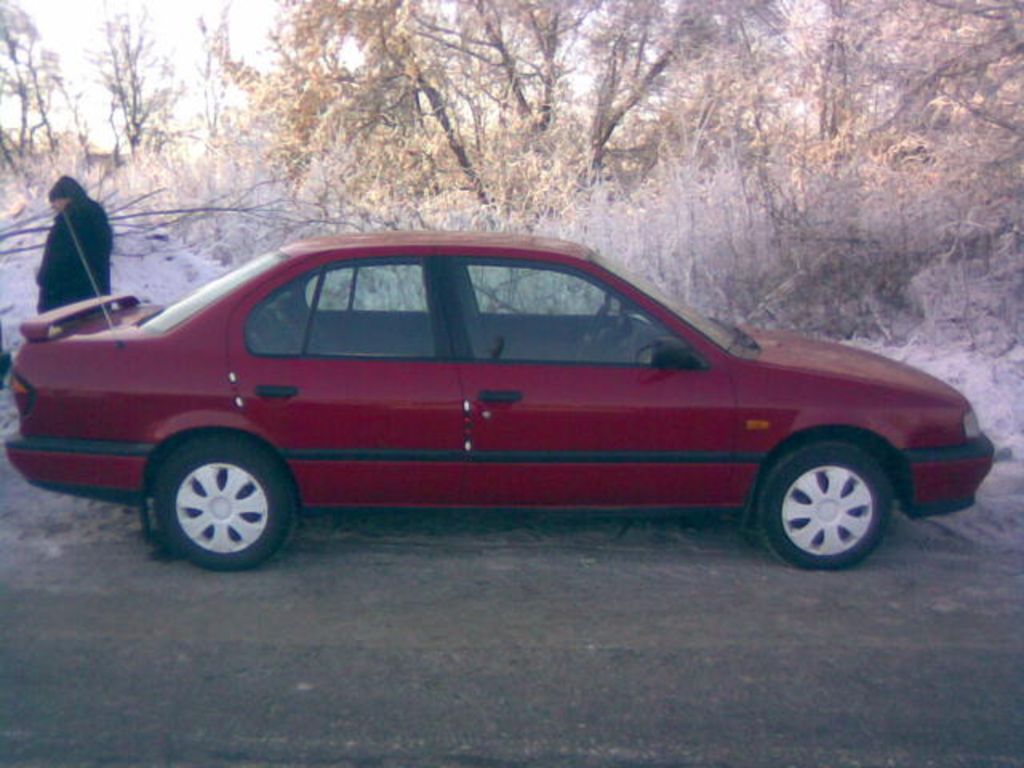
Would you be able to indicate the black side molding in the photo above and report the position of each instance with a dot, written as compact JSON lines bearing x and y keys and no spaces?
{"x":978,"y":448}
{"x":69,"y":445}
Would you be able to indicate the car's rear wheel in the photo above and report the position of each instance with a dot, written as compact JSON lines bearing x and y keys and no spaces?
{"x":825,"y":506}
{"x":223,"y":503}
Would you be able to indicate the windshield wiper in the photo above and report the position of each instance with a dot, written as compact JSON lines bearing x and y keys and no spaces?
{"x":738,"y":338}
{"x":743,"y":339}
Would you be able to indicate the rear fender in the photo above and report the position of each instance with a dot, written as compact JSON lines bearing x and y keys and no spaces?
{"x":196,"y":421}
{"x":199,"y":426}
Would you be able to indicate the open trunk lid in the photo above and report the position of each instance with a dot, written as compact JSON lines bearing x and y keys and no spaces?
{"x":86,"y":316}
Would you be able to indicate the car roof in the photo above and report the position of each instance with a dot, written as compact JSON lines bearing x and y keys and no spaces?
{"x":456,"y":241}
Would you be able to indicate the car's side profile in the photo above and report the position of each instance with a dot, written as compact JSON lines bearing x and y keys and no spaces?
{"x":405,"y":370}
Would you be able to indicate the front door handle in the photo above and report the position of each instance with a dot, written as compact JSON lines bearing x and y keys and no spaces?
{"x":276,"y":390}
{"x":500,"y":396}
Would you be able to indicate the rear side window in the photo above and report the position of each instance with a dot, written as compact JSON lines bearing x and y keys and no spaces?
{"x":360,"y":310}
{"x":277,"y":326}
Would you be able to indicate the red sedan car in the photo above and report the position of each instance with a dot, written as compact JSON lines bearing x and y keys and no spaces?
{"x":443,"y":370}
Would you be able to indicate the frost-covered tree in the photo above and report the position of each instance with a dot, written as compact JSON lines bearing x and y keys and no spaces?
{"x":29,"y":79}
{"x":139,"y":82}
{"x":511,"y":103}
{"x":213,"y":70}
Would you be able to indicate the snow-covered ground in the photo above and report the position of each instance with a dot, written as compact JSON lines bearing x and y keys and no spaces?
{"x":159,"y":270}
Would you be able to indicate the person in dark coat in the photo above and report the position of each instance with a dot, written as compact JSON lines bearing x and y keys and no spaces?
{"x":62,"y":277}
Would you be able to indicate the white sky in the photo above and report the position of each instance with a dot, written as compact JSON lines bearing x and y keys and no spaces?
{"x":73,"y":30}
{"x":72,"y":27}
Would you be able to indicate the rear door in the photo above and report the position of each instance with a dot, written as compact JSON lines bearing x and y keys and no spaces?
{"x":564,"y":405}
{"x":341,"y":368}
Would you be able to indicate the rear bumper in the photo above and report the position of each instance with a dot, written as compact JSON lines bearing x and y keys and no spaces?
{"x":97,"y":469}
{"x":945,"y":480}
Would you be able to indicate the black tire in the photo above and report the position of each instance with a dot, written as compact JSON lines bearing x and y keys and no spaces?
{"x":224,"y":503}
{"x":824,"y":506}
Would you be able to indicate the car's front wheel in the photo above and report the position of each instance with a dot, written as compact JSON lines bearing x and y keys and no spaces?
{"x":223,"y":504}
{"x":825,"y":506}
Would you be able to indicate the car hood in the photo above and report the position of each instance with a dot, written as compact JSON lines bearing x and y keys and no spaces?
{"x":796,"y":352}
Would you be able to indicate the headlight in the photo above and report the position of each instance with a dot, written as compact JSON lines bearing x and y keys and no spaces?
{"x":972,"y":429}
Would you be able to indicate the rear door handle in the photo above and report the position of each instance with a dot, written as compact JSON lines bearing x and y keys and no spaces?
{"x":500,"y":396}
{"x":276,"y":390}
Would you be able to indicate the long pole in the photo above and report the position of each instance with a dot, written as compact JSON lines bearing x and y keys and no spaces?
{"x":87,"y":268}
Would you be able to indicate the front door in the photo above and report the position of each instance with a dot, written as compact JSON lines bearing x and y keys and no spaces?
{"x":565,"y":406}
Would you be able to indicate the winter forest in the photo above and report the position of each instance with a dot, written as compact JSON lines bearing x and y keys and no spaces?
{"x":847,"y":168}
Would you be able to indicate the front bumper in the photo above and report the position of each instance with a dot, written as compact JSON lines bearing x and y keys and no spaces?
{"x":945,"y":480}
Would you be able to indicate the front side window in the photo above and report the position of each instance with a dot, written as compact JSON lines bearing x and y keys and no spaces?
{"x":350,"y":310}
{"x":529,"y":291}
{"x":538,"y":314}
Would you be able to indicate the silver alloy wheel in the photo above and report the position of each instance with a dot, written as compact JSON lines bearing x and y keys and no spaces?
{"x":828,"y":510}
{"x":222,"y":508}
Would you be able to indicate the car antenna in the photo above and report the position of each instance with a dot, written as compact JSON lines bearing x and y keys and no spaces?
{"x":88,"y":269}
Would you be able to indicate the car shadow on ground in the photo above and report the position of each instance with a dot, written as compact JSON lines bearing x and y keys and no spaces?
{"x":496,"y":528}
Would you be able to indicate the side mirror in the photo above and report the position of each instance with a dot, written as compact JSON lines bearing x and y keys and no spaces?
{"x":674,"y":355}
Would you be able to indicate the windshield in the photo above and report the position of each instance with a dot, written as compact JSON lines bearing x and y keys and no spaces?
{"x":198,"y":300}
{"x":728,"y":337}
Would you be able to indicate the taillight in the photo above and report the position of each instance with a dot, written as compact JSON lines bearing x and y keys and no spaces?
{"x":24,"y":394}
